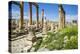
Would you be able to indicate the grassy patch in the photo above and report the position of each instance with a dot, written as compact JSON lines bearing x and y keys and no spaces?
{"x":66,"y":38}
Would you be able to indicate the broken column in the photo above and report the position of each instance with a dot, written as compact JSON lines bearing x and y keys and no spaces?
{"x":42,"y":17}
{"x":56,"y":27}
{"x":61,"y":17}
{"x":52,"y":27}
{"x":45,"y":26}
{"x":21,"y":15}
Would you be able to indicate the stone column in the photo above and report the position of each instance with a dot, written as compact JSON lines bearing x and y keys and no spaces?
{"x":45,"y":26}
{"x":56,"y":27}
{"x":21,"y":15}
{"x":61,"y":17}
{"x":30,"y":19}
{"x":37,"y":16}
{"x":42,"y":17}
{"x":52,"y":27}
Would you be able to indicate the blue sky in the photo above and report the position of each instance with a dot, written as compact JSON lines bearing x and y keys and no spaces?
{"x":51,"y":11}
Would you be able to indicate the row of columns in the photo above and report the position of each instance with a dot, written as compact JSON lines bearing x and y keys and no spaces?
{"x":30,"y":19}
{"x":61,"y":16}
{"x":21,"y":21}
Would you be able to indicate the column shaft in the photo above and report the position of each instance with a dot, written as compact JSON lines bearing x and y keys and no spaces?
{"x":61,"y":17}
{"x":21,"y":15}
{"x":42,"y":17}
{"x":30,"y":19}
{"x":37,"y":17}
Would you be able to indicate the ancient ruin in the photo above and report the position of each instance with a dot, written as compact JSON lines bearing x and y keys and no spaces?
{"x":42,"y":17}
{"x":61,"y":17}
{"x":26,"y":34}
{"x":30,"y":20}
{"x":21,"y":21}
